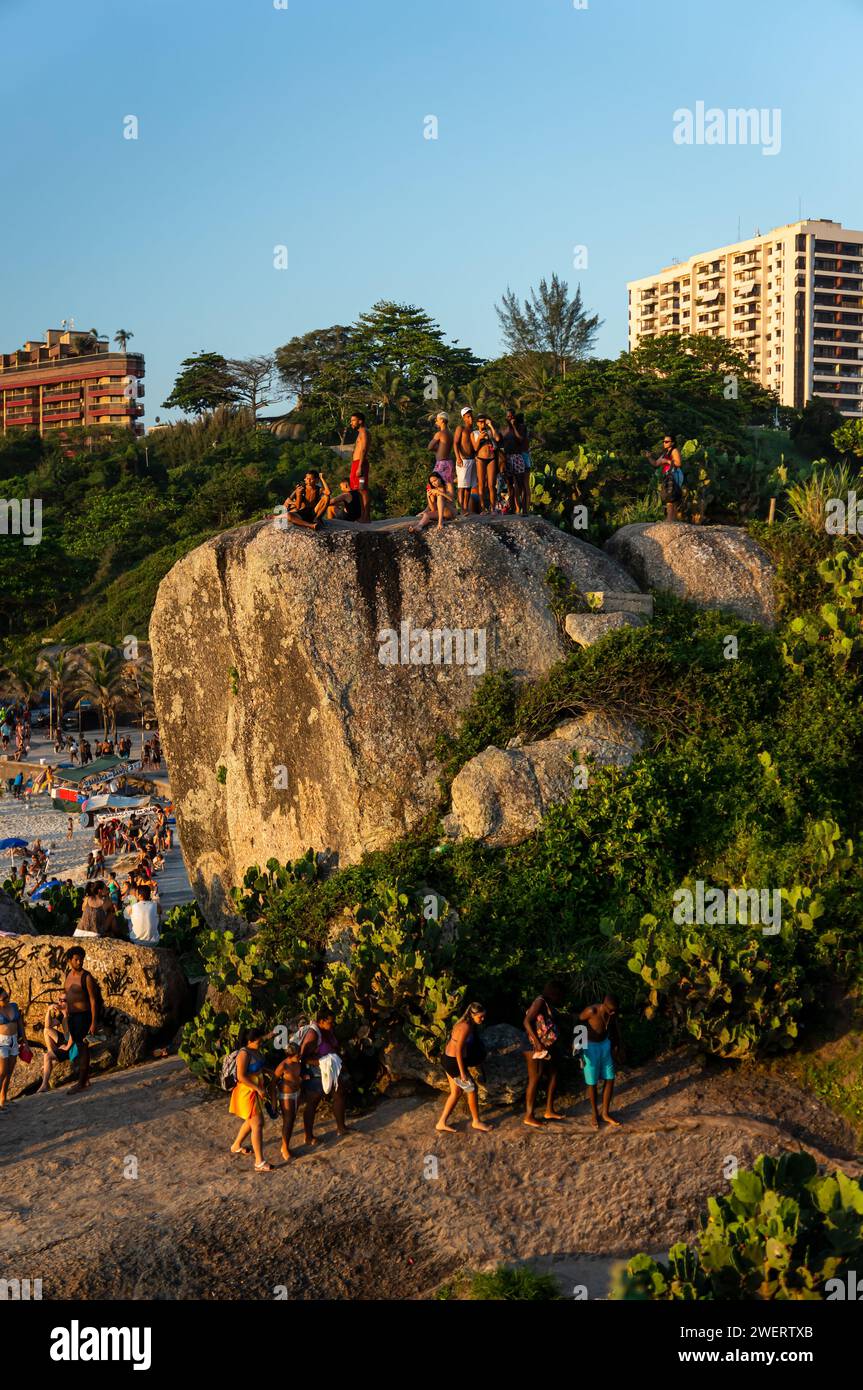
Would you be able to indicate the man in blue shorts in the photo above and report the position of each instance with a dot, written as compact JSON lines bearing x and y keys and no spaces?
{"x":601,"y":1050}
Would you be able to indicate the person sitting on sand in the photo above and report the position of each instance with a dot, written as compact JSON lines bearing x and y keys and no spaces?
{"x":57,"y":1039}
{"x":308,"y":502}
{"x":439,"y":506}
{"x":543,"y":1055}
{"x":290,"y":1089}
{"x":603,"y":1047}
{"x":82,"y":1006}
{"x":318,"y":1043}
{"x":11,"y":1040}
{"x":464,"y":1050}
{"x":248,"y":1097}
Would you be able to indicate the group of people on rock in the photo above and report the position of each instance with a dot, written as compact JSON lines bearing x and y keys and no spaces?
{"x":477,"y":468}
{"x":68,"y":1028}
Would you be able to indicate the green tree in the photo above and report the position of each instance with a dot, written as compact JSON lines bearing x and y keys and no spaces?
{"x":848,"y":439}
{"x":548,"y":325}
{"x":121,"y":338}
{"x":203,"y":382}
{"x":101,"y":679}
{"x":60,"y":674}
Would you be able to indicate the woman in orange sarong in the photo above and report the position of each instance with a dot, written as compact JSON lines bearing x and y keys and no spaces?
{"x":247,"y":1098}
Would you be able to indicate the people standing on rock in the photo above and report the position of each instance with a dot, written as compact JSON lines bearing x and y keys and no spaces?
{"x":441,"y":445}
{"x":360,"y":462}
{"x":603,"y":1047}
{"x":465,"y":458}
{"x":11,"y":1041}
{"x":485,"y":441}
{"x":58,"y":1042}
{"x":542,"y":1027}
{"x":464,"y":1050}
{"x":249,"y":1097}
{"x":671,"y":482}
{"x":439,"y":505}
{"x":82,"y":1007}
{"x":322,"y":1074}
{"x":308,"y":502}
{"x":289,"y":1089}
{"x":514,"y":439}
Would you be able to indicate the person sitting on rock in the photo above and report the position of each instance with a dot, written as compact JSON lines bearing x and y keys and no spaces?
{"x":348,"y":506}
{"x":439,"y":505}
{"x":542,"y":1055}
{"x":58,"y":1041}
{"x":308,"y":502}
{"x":603,"y":1047}
{"x":464,"y":1050}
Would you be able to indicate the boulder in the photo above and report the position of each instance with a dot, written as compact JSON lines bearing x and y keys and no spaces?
{"x":504,"y":1066}
{"x":13,"y":918}
{"x":587,"y":628}
{"x":710,"y":566}
{"x":143,"y":990}
{"x":501,"y":796}
{"x":303,"y":679}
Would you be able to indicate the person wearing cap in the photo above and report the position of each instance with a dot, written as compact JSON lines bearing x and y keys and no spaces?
{"x":441,"y":446}
{"x":465,"y":458}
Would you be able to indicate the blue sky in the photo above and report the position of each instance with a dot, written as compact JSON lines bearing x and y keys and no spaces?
{"x":304,"y":127}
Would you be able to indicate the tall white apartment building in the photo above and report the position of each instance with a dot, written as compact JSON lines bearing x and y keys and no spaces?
{"x":792,"y":299}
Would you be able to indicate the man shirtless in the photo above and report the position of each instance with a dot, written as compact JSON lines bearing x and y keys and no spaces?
{"x":603,"y":1048}
{"x":465,"y":458}
{"x":442,"y":447}
{"x":360,"y":463}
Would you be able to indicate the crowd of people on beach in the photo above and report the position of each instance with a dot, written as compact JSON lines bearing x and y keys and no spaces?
{"x":15,"y":723}
{"x":306,"y":1068}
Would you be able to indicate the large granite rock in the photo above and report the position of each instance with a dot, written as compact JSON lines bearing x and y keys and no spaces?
{"x":710,"y":566}
{"x":143,"y":990}
{"x":287,"y":716}
{"x":502,"y":795}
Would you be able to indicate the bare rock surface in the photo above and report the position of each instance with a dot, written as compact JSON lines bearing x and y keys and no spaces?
{"x":710,"y":566}
{"x":301,"y":688}
{"x":587,"y":628}
{"x":502,"y":795}
{"x":13,"y":918}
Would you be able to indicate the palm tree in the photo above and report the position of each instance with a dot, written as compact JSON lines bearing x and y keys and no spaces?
{"x":22,"y":673}
{"x":388,"y":391}
{"x":61,"y":673}
{"x":137,"y":679}
{"x":100,"y":677}
{"x":121,"y":338}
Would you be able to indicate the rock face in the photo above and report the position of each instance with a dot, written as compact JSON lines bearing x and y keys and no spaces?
{"x":302,"y":679}
{"x":587,"y":628}
{"x":501,"y":796}
{"x":143,"y":989}
{"x":13,"y":918}
{"x":710,"y":566}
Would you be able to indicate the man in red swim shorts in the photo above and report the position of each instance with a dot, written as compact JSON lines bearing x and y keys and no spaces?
{"x":360,"y":463}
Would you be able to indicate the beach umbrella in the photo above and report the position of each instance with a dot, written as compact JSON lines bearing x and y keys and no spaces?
{"x":52,"y":883}
{"x":13,"y":844}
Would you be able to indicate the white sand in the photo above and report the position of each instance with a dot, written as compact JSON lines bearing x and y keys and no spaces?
{"x":34,"y":819}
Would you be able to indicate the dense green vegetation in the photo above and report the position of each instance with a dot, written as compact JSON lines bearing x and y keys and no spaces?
{"x":782,"y":1232}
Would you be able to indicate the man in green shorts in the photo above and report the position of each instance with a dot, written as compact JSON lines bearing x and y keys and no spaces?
{"x":602,"y":1049}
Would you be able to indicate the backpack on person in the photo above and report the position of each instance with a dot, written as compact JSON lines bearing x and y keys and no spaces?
{"x":302,"y":1028}
{"x":228,"y":1076}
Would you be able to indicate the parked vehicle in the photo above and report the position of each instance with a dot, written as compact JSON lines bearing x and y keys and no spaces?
{"x":90,"y":719}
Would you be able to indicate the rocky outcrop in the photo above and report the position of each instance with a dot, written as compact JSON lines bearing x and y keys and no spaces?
{"x":13,"y":918}
{"x":502,"y":795}
{"x":710,"y":566}
{"x":303,"y":679}
{"x":143,"y":990}
{"x":587,"y":628}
